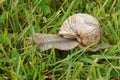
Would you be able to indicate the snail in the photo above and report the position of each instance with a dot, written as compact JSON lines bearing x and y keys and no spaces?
{"x":78,"y":29}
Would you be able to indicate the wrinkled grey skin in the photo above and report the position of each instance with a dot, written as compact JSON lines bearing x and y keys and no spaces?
{"x":48,"y":41}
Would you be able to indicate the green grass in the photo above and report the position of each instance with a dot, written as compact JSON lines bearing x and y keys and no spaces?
{"x":21,"y":61}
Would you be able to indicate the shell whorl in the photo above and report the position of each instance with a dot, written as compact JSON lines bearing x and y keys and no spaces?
{"x":85,"y":28}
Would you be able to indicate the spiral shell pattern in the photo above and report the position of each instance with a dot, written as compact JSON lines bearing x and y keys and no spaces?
{"x":84,"y":27}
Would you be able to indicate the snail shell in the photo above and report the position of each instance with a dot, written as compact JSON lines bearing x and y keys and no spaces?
{"x":85,"y":28}
{"x":78,"y":29}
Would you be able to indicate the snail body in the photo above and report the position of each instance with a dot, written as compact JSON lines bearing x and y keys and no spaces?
{"x":78,"y":29}
{"x":47,"y":41}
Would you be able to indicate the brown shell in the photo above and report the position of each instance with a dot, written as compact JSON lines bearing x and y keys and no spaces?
{"x":85,"y":28}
